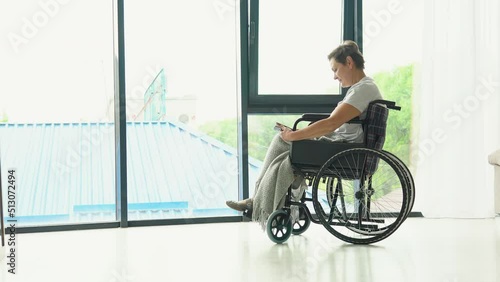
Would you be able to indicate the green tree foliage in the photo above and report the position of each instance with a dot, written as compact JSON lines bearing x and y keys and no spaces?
{"x":4,"y":117}
{"x":223,"y":130}
{"x":395,"y":85}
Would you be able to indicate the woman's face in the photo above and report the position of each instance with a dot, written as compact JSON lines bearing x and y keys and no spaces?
{"x":342,"y":72}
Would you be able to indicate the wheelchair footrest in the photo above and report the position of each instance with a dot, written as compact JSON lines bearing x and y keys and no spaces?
{"x":352,"y":217}
{"x":356,"y":225}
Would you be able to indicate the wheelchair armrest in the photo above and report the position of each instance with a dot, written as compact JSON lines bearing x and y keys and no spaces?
{"x":355,"y":120}
{"x":310,"y":117}
{"x":315,"y":117}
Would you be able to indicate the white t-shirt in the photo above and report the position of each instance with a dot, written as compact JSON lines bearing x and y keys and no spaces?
{"x":359,"y":96}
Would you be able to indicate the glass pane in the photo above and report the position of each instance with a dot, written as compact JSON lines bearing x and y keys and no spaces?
{"x":182,"y":73}
{"x":295,"y":38}
{"x":56,"y":126}
{"x":260,"y":134}
{"x":392,"y":63}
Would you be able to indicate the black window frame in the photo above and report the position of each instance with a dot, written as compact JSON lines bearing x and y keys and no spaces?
{"x":293,"y":104}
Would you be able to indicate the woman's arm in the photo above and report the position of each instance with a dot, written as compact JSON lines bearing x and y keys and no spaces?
{"x":342,"y":114}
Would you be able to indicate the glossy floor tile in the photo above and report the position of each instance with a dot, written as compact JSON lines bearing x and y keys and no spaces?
{"x":441,"y":250}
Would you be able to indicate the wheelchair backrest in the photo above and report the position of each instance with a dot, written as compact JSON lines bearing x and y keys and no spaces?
{"x":374,"y":126}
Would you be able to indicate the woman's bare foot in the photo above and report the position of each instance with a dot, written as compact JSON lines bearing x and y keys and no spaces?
{"x":242,"y":205}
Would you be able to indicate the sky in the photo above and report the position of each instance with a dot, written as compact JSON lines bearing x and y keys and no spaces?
{"x":57,"y":55}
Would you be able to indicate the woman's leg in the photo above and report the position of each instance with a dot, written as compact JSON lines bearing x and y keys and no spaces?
{"x":242,"y":205}
{"x":273,"y":182}
{"x":277,"y":147}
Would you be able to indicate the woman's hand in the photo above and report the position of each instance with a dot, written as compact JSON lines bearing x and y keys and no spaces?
{"x":287,"y":134}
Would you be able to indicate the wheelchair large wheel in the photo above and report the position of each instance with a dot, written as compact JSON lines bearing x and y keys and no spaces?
{"x":302,"y":224}
{"x":361,"y":195}
{"x":409,"y":180}
{"x":279,"y":226}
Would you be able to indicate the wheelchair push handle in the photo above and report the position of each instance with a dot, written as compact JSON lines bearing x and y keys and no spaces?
{"x":389,"y":104}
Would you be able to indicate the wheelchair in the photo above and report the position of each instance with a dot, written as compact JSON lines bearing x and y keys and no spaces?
{"x":360,"y":193}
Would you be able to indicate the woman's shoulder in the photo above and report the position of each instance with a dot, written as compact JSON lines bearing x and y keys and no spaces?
{"x":367,"y":88}
{"x":366,"y":83}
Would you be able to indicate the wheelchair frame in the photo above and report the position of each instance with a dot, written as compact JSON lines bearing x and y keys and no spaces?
{"x":355,"y":216}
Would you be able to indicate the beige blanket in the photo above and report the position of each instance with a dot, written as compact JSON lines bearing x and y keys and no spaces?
{"x":275,"y":178}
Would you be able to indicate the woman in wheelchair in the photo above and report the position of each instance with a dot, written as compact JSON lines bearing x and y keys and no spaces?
{"x":277,"y":175}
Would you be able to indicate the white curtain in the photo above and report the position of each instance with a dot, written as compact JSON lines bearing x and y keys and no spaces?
{"x":457,"y":105}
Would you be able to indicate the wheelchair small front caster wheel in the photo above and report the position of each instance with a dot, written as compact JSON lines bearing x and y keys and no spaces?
{"x":302,"y":224}
{"x":279,"y":226}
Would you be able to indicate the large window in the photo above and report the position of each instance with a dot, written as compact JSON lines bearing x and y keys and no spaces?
{"x":289,"y":72}
{"x":289,"y":42}
{"x":191,"y":83}
{"x":295,"y":38}
{"x":56,"y":81}
{"x":182,"y":62}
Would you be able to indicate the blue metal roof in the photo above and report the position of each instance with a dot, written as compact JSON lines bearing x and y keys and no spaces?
{"x":66,"y":171}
